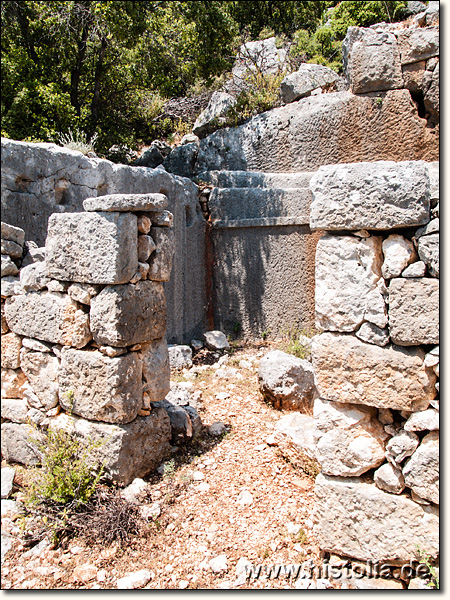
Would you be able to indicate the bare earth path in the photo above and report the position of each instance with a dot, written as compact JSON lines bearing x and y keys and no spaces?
{"x":251,"y":503}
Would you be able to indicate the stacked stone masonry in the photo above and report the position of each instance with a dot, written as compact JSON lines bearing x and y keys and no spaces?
{"x":83,"y":333}
{"x":376,"y":361}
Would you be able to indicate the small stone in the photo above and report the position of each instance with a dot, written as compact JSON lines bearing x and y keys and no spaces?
{"x":36,"y":345}
{"x":203,"y":487}
{"x":398,"y":253}
{"x":217,"y":428}
{"x":183,"y":584}
{"x":132,"y":492}
{"x":389,"y":478}
{"x":11,"y":249}
{"x":216,"y":340}
{"x":421,"y":471}
{"x":143,"y":269}
{"x":34,"y":277}
{"x":400,"y":446}
{"x":146,"y":246}
{"x":417,"y":269}
{"x":196,"y":344}
{"x":219,"y":564}
{"x":180,"y":356}
{"x":134,"y":580}
{"x":7,"y":480}
{"x":198,"y":476}
{"x":8,"y":267}
{"x":10,"y":350}
{"x":428,"y":248}
{"x":83,"y":292}
{"x":111,"y":351}
{"x":245,"y":498}
{"x":271,"y":440}
{"x":385,"y":416}
{"x":14,"y":234}
{"x":370,"y":333}
{"x":161,"y":219}
{"x":161,"y":259}
{"x":144,"y":224}
{"x":58,"y":286}
{"x":427,"y":420}
{"x":150,"y":512}
{"x":85,"y":573}
{"x":14,"y":409}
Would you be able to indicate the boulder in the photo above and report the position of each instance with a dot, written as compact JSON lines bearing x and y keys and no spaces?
{"x":181,"y":161}
{"x":155,"y":369}
{"x":49,"y":316}
{"x":417,"y":44}
{"x":421,"y":471}
{"x":351,"y":371}
{"x":428,"y":248}
{"x":11,"y":345}
{"x":398,"y":253}
{"x":286,"y":381}
{"x":373,"y":61}
{"x":42,"y":370}
{"x":161,"y":259}
{"x":414,"y":311}
{"x":154,"y":155}
{"x":302,"y":430}
{"x":309,"y":77}
{"x":92,"y":247}
{"x":127,"y":451}
{"x":13,"y":234}
{"x":389,"y":478}
{"x":377,"y":195}
{"x":124,"y":315}
{"x":18,"y":443}
{"x":216,"y":340}
{"x":125,"y":203}
{"x":214,"y":115}
{"x":347,"y":271}
{"x":100,"y":388}
{"x":359,"y":520}
{"x":180,"y":356}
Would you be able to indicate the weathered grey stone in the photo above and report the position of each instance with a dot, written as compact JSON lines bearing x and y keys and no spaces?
{"x":286,"y":381}
{"x":308,"y":78}
{"x":41,"y":370}
{"x":58,"y":286}
{"x":421,"y":471}
{"x":414,"y":311}
{"x":83,"y":292}
{"x":400,"y":446}
{"x":92,"y":247}
{"x":11,"y":248}
{"x":214,"y":114}
{"x":36,"y":416}
{"x":11,"y":345}
{"x":180,"y":422}
{"x":428,"y":248}
{"x":18,"y":443}
{"x":155,"y":369}
{"x":378,"y":195}
{"x":370,"y":333}
{"x":33,"y":344}
{"x":389,"y":478}
{"x":14,"y":234}
{"x":417,"y":269}
{"x":431,"y":98}
{"x":161,"y":259}
{"x":413,"y":76}
{"x":100,"y":388}
{"x":196,"y":421}
{"x":154,"y":155}
{"x":398,"y":253}
{"x":8,"y":266}
{"x":34,"y":277}
{"x":11,"y":286}
{"x":181,"y":161}
{"x":7,"y":480}
{"x":418,"y":44}
{"x":348,"y":370}
{"x":4,"y":324}
{"x":124,"y":315}
{"x":13,"y":382}
{"x":373,"y":61}
{"x":347,"y":271}
{"x":216,"y":340}
{"x":14,"y":409}
{"x":48,"y":316}
{"x":372,"y":524}
{"x":163,"y":218}
{"x":351,"y":441}
{"x":128,"y":451}
{"x":125,"y":203}
{"x":428,"y":229}
{"x":426,"y":420}
{"x":146,"y":246}
{"x":180,"y":356}
{"x":302,"y":430}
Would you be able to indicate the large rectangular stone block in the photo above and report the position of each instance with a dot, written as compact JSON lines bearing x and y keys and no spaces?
{"x":414,"y":311}
{"x":349,"y":370}
{"x":359,"y":520}
{"x":123,"y":315}
{"x":375,"y":196}
{"x":100,"y":388}
{"x":92,"y":247}
{"x":49,"y":316}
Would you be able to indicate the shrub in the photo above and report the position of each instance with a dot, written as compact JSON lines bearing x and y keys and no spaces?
{"x":293,"y":341}
{"x":78,"y":140}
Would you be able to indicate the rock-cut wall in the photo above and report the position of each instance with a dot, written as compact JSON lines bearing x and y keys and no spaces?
{"x":377,"y":361}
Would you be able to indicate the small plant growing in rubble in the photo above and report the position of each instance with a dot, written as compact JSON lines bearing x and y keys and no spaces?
{"x":432,"y":571}
{"x":294,"y":340}
{"x":78,"y":140}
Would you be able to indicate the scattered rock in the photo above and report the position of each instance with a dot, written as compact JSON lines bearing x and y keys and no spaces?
{"x":7,"y":481}
{"x":135,"y":580}
{"x":216,"y":340}
{"x":217,"y":428}
{"x":180,"y":356}
{"x":219,"y":564}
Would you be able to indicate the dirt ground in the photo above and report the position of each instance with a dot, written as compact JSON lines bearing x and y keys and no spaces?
{"x":239,"y":495}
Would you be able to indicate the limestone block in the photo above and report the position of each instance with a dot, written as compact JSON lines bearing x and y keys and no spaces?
{"x":160,"y":260}
{"x":352,"y":440}
{"x":13,"y":382}
{"x":347,"y":271}
{"x":417,"y":269}
{"x":18,"y":443}
{"x":389,"y":478}
{"x":11,"y":249}
{"x":124,"y":315}
{"x":41,"y":370}
{"x":418,"y":44}
{"x":8,"y":266}
{"x":413,"y":76}
{"x":400,"y":446}
{"x":126,"y":203}
{"x":48,"y":316}
{"x":286,"y":381}
{"x":359,"y":520}
{"x":128,"y":451}
{"x":34,"y":277}
{"x":398,"y":254}
{"x":428,"y":247}
{"x":431,"y":98}
{"x":100,"y":388}
{"x":351,"y":371}
{"x":161,"y":219}
{"x":302,"y":430}
{"x":14,"y":409}
{"x":146,"y":246}
{"x":83,"y":292}
{"x":14,"y":234}
{"x":373,"y":62}
{"x":180,"y":356}
{"x":414,"y":311}
{"x":421,"y":471}
{"x":377,"y":195}
{"x":36,"y":345}
{"x":370,"y":333}
{"x":302,"y":82}
{"x":426,"y":420}
{"x":10,"y":286}
{"x":92,"y":247}
{"x":214,"y":114}
{"x":11,"y":345}
{"x":155,"y":369}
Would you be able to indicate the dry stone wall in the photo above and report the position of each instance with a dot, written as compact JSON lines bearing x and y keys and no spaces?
{"x":83,"y":333}
{"x":377,"y":361}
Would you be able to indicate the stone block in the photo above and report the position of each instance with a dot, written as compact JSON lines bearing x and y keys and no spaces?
{"x":418,"y":44}
{"x":421,"y":471}
{"x":92,"y":247}
{"x":428,"y":248}
{"x":127,"y":451}
{"x":11,"y":248}
{"x":358,"y":520}
{"x":180,"y":356}
{"x":389,"y":478}
{"x":414,"y":311}
{"x":351,"y":371}
{"x":13,"y":383}
{"x":48,"y":316}
{"x":124,"y":315}
{"x":34,"y":277}
{"x":155,"y":369}
{"x":100,"y":388}
{"x":370,"y":333}
{"x":14,"y":409}
{"x":376,"y":196}
{"x":8,"y":268}
{"x":125,"y":203}
{"x":161,"y":259}
{"x":347,"y":271}
{"x":18,"y":443}
{"x":301,"y":83}
{"x":41,"y":370}
{"x":11,"y":345}
{"x":14,"y":234}
{"x":398,"y":253}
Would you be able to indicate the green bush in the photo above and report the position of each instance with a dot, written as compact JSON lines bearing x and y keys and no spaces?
{"x":293,"y":342}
